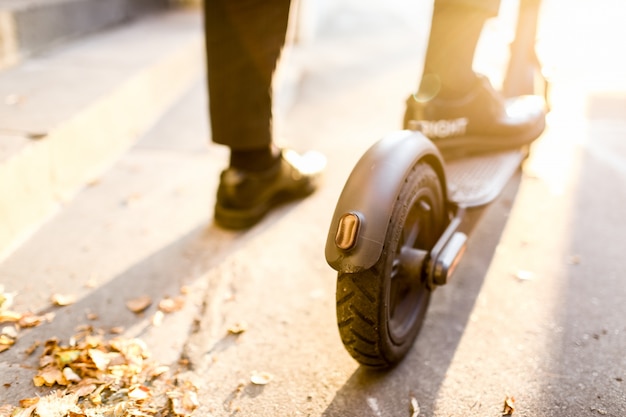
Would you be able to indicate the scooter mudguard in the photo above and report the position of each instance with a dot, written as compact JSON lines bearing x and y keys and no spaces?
{"x":359,"y":225}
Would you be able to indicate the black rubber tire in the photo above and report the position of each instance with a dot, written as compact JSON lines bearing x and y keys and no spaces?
{"x":379,"y":310}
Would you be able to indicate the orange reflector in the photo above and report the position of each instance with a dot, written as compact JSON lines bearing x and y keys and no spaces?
{"x":347,"y":231}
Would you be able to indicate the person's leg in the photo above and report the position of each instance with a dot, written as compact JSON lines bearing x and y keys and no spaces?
{"x":455,"y":30}
{"x":243,"y":42}
{"x":524,"y":64}
{"x":457,"y":108}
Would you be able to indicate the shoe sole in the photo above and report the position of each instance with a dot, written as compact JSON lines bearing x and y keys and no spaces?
{"x":460,"y":146}
{"x":238,"y":219}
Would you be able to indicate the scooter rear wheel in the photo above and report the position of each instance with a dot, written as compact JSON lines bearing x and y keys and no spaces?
{"x":380,"y":310}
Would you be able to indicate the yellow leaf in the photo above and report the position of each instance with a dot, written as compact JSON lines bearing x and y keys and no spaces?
{"x":9,"y":316}
{"x":39,"y":381}
{"x":509,"y":406}
{"x":28,"y":402}
{"x":67,"y":356}
{"x":238,"y":328}
{"x":99,"y":359}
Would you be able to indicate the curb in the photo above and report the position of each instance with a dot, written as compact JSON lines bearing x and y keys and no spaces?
{"x":28,"y":27}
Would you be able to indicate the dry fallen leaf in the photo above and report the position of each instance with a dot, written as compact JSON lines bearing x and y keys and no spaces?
{"x":139,"y":393}
{"x":261,"y":378}
{"x":171,"y":305}
{"x":9,"y":331}
{"x":509,"y":406}
{"x":32,"y":348}
{"x":70,"y":375}
{"x":415,"y":407}
{"x":83,"y":388}
{"x":524,"y":275}
{"x":159,"y":370}
{"x":91,"y":316}
{"x":49,"y":376}
{"x":184,"y":400}
{"x":6,"y":298}
{"x":23,"y":412}
{"x":57,"y":405}
{"x":9,"y":316}
{"x":157,"y":319}
{"x":238,"y":328}
{"x":32,"y":320}
{"x":29,"y":402}
{"x":65,"y":357}
{"x":90,"y":376}
{"x":6,"y":342}
{"x":116,"y":330}
{"x":139,"y":304}
{"x":99,"y":359}
{"x":63,"y":300}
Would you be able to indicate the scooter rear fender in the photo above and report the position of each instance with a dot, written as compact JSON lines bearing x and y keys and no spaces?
{"x":370,"y":194}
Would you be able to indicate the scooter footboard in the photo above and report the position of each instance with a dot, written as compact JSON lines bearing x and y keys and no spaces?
{"x":357,"y":231}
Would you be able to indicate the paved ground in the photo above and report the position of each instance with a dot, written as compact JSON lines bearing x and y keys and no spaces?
{"x":555,"y":341}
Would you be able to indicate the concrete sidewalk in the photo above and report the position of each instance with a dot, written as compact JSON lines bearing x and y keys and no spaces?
{"x":68,"y":114}
{"x":554,"y":340}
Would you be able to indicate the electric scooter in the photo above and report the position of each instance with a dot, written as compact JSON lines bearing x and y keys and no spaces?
{"x":399,"y":229}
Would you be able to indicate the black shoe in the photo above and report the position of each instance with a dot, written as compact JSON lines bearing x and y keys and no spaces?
{"x":244,"y":198}
{"x":481,"y":121}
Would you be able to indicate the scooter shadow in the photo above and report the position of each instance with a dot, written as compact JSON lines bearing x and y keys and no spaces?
{"x":419,"y":377}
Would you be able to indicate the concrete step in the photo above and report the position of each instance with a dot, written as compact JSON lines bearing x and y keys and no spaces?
{"x":66,"y":115}
{"x":29,"y":27}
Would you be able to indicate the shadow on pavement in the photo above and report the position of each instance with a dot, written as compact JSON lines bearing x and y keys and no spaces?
{"x":184,"y":262}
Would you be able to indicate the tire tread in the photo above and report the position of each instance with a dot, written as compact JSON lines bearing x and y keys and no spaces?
{"x":360,"y":298}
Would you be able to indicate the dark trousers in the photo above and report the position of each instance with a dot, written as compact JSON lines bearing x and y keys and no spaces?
{"x":243,"y":42}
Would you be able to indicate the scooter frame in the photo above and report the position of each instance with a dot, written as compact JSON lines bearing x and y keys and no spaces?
{"x":359,"y":225}
{"x":362,"y":220}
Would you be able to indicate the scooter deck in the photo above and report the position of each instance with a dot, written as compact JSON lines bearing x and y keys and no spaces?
{"x":477,"y":180}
